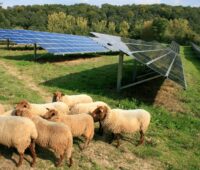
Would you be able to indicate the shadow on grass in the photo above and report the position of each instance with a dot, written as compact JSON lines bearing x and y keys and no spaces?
{"x":192,"y":56}
{"x":7,"y":153}
{"x":102,"y":81}
{"x":46,"y":57}
{"x":45,"y":154}
{"x":98,"y":81}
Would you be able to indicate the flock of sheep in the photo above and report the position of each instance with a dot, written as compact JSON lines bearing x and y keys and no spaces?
{"x":53,"y":125}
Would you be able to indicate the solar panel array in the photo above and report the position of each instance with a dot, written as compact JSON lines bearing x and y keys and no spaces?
{"x":161,"y":58}
{"x":54,"y":42}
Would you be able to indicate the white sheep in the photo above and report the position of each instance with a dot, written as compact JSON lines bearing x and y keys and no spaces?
{"x":88,"y":108}
{"x":123,"y":121}
{"x":80,"y":124}
{"x":20,"y":133}
{"x":71,"y":100}
{"x":55,"y":136}
{"x":8,"y":113}
{"x":40,"y":109}
{"x":1,"y":109}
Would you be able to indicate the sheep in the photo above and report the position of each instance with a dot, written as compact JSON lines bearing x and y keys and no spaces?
{"x":123,"y":121}
{"x":8,"y":113}
{"x":40,"y":109}
{"x":18,"y":132}
{"x":80,"y":124}
{"x":88,"y":108}
{"x":1,"y":109}
{"x":71,"y":100}
{"x":55,"y":136}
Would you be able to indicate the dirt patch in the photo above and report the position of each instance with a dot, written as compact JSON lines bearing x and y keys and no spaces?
{"x":167,"y":96}
{"x":109,"y":157}
{"x":27,"y":81}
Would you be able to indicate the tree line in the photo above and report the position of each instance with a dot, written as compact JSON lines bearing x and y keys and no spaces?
{"x":163,"y":23}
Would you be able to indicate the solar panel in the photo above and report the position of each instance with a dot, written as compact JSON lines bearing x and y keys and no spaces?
{"x":54,"y":42}
{"x":161,"y":58}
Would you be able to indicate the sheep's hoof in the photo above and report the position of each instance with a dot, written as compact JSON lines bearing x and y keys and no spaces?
{"x":57,"y":164}
{"x":33,"y":164}
{"x":18,"y":165}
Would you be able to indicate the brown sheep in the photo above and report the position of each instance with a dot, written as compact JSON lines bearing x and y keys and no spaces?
{"x":123,"y":121}
{"x":80,"y":124}
{"x":51,"y":135}
{"x":71,"y":100}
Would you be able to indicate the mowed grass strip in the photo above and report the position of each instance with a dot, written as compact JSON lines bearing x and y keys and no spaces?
{"x":173,"y":139}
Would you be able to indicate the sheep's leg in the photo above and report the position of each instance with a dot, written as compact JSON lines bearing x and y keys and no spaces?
{"x":118,"y":138}
{"x":70,"y":161}
{"x":100,"y":129}
{"x":58,"y":163}
{"x":87,"y":141}
{"x":141,"y":137}
{"x":112,"y":138}
{"x":33,"y":154}
{"x":21,"y":157}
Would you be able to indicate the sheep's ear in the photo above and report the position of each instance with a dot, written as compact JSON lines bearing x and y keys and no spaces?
{"x":103,"y":109}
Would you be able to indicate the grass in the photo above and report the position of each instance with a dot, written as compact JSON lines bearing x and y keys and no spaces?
{"x":173,"y":137}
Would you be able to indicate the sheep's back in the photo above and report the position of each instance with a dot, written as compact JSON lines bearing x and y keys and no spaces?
{"x":86,"y":107}
{"x":16,"y":130}
{"x":127,"y":121}
{"x":51,"y":134}
{"x":71,"y":100}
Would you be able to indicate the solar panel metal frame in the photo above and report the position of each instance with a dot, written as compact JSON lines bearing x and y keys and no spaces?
{"x":172,"y":52}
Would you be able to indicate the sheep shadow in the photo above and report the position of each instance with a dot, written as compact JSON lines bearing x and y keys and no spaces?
{"x":7,"y":153}
{"x":102,"y":81}
{"x":45,"y":154}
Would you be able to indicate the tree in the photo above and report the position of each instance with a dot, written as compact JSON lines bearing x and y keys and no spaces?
{"x":99,"y":26}
{"x":124,"y":28}
{"x":82,"y":25}
{"x":57,"y":22}
{"x":111,"y":28}
{"x":147,"y":31}
{"x":159,"y":27}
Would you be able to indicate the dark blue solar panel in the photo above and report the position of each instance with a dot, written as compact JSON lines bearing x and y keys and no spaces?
{"x":54,"y":42}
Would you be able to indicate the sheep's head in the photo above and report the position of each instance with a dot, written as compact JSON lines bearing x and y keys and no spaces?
{"x":23,"y":113}
{"x":100,"y":113}
{"x":51,"y":113}
{"x":57,"y":96}
{"x":23,"y":104}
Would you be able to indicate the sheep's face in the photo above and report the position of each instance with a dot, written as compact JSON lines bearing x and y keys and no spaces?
{"x":50,"y":114}
{"x":57,"y":96}
{"x":23,"y":105}
{"x":99,"y":113}
{"x":22,"y":112}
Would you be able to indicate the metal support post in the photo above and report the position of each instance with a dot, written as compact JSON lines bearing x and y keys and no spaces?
{"x":35,"y":51}
{"x":8,"y":44}
{"x":120,"y":71}
{"x":134,"y":70}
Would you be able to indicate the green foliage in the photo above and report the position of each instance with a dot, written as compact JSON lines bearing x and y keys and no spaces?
{"x":159,"y":27}
{"x":99,"y":26}
{"x":124,"y":29}
{"x":132,"y":21}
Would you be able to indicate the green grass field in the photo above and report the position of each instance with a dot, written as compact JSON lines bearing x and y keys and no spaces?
{"x":173,"y":139}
